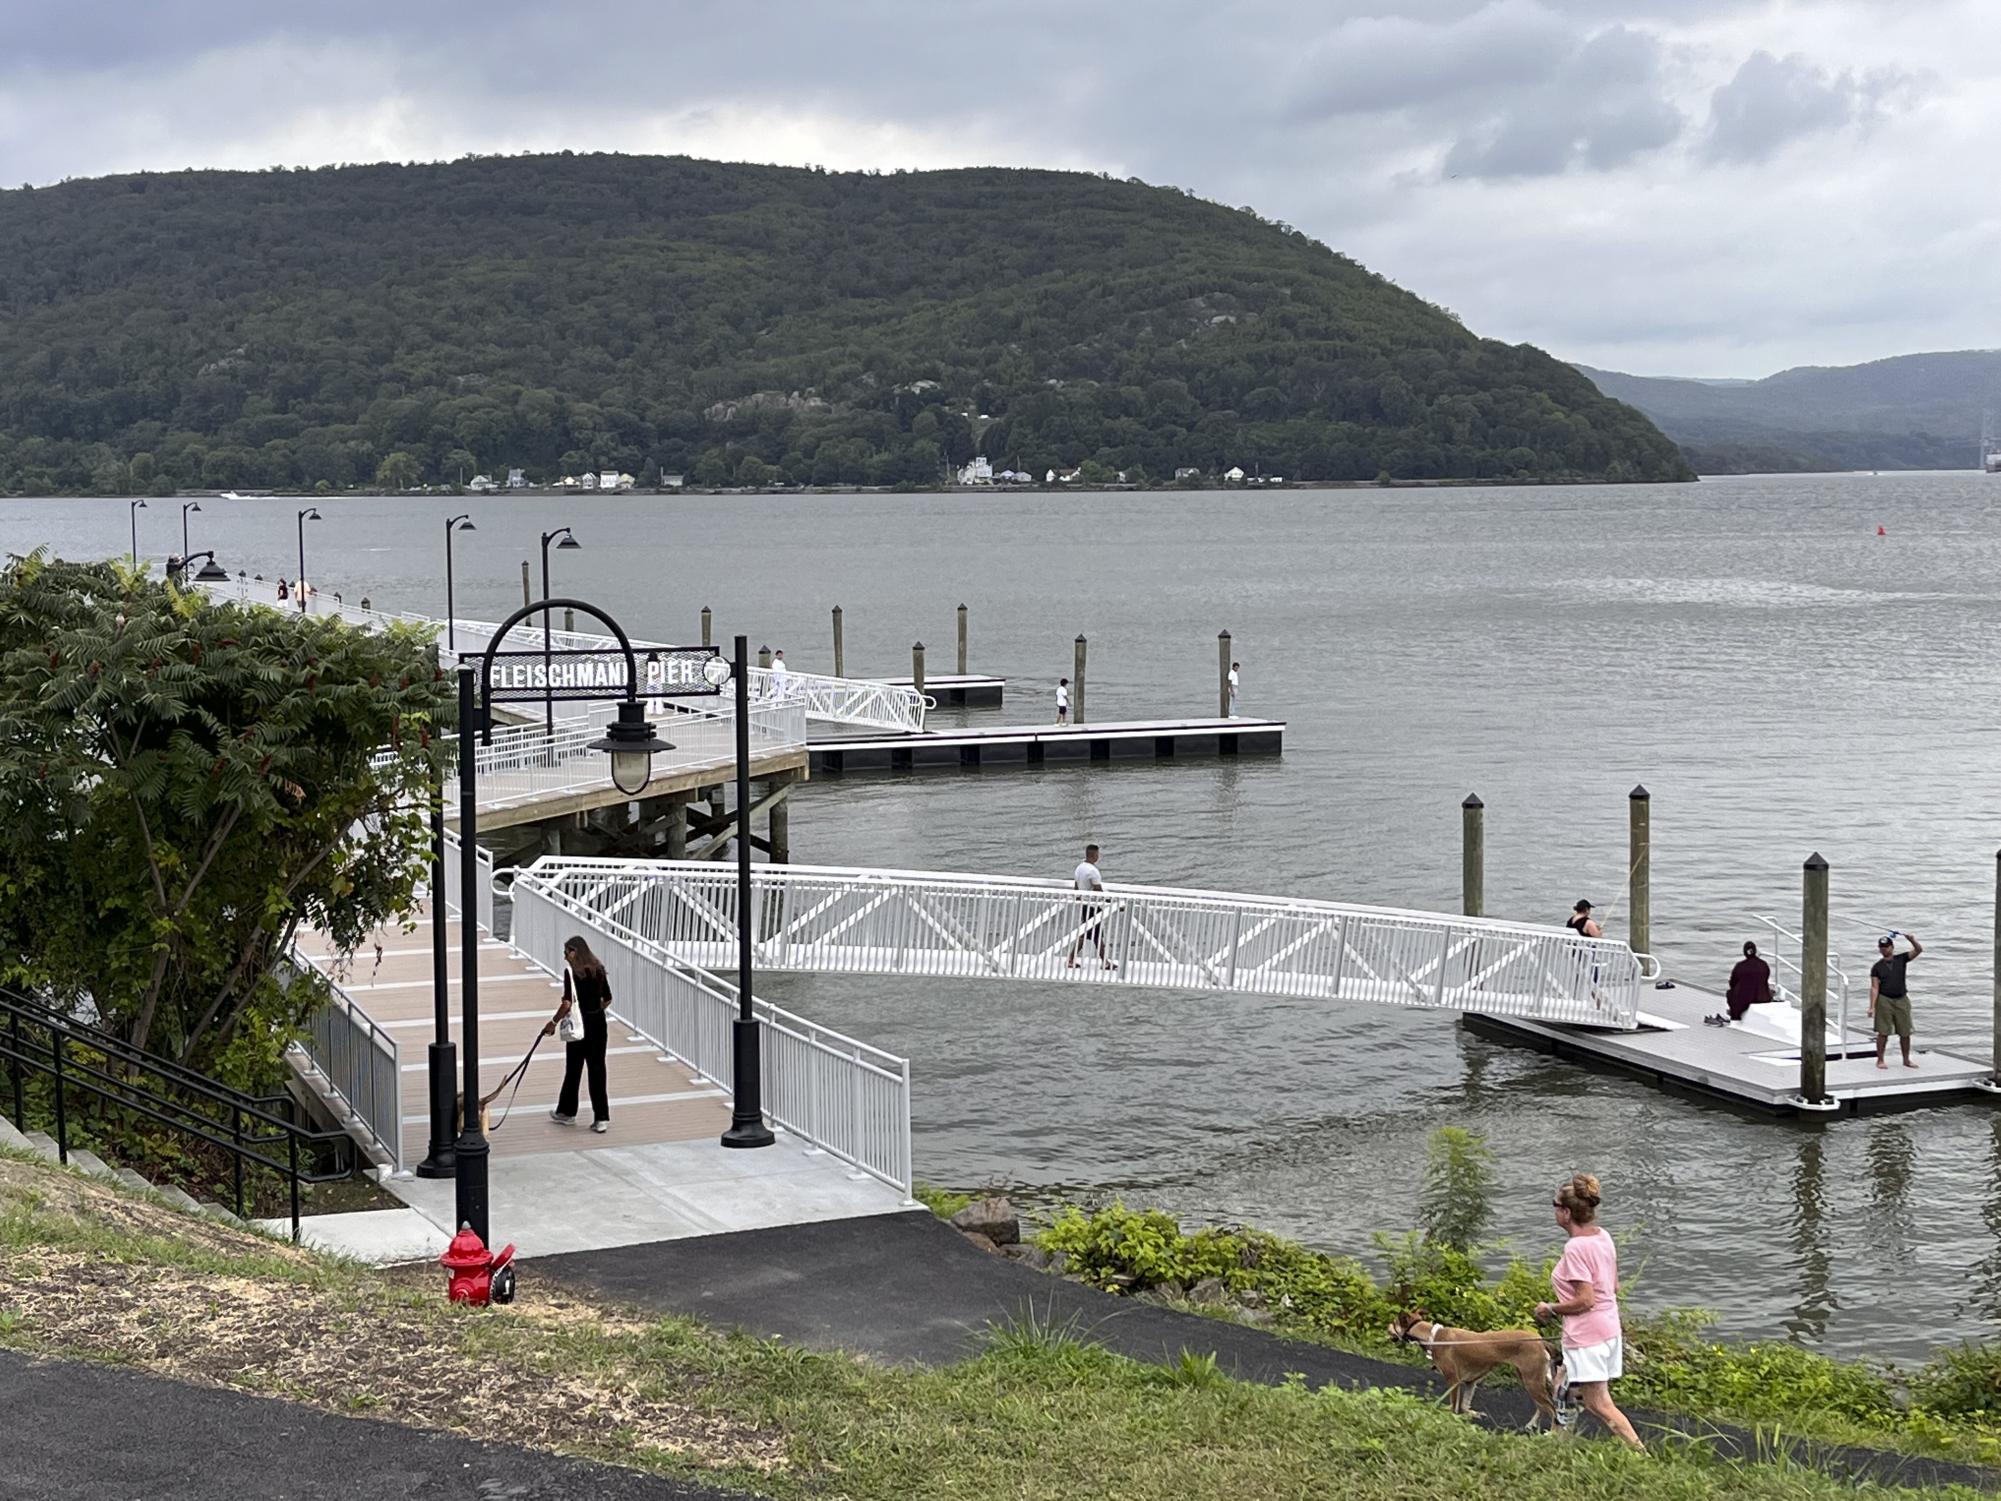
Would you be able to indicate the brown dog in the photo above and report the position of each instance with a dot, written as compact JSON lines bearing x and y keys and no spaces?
{"x":1463,"y":1357}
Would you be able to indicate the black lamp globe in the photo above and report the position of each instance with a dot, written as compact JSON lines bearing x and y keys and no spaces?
{"x":632,"y":745}
{"x":210,"y":574}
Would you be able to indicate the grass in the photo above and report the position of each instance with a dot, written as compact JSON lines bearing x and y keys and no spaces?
{"x":1040,"y":1413}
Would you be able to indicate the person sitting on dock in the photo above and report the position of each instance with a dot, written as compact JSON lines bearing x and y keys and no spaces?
{"x":1062,"y":700}
{"x":1750,"y":985}
{"x":1090,"y":909}
{"x":1890,"y":998}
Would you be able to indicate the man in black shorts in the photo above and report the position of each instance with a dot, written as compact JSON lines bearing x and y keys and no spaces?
{"x":1889,"y":1000}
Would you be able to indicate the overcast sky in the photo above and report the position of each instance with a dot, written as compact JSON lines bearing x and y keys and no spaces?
{"x":1694,"y":187}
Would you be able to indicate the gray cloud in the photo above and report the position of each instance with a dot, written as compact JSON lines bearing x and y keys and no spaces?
{"x":1773,"y":101}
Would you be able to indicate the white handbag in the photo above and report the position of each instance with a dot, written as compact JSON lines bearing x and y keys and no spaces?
{"x":570,"y":1025}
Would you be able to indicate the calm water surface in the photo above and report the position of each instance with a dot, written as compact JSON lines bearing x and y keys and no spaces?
{"x":1780,"y":677}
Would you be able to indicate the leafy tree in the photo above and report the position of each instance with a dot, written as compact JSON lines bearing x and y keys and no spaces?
{"x":187,"y":783}
{"x":398,"y":471}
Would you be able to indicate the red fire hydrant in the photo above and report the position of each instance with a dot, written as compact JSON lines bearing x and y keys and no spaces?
{"x":478,"y":1276}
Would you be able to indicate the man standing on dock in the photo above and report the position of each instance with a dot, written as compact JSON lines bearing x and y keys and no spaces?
{"x":1890,"y":999}
{"x":1233,"y":688}
{"x":1062,"y":700}
{"x":780,"y":676}
{"x":1090,"y":884}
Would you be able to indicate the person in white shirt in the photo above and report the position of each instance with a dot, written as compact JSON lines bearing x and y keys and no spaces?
{"x":1090,"y":907}
{"x":656,"y":674}
{"x":1062,"y":700}
{"x":1233,"y":688}
{"x":779,"y":676}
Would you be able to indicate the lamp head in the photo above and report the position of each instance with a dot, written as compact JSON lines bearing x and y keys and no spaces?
{"x":311,"y":513}
{"x":632,"y":745}
{"x":569,"y":542}
{"x":211,"y":574}
{"x":193,"y":505}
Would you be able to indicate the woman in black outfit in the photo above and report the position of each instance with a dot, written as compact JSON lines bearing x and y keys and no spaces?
{"x":592,"y":997}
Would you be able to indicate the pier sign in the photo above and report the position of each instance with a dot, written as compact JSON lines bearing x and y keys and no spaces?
{"x":595,"y":675}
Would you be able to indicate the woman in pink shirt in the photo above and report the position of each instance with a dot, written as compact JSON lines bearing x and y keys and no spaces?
{"x":1586,"y":1281}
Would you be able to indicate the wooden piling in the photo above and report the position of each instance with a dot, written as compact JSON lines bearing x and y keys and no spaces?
{"x":1813,"y":982}
{"x":1473,"y":856}
{"x":526,"y":598}
{"x":1077,"y":684}
{"x":569,"y":620}
{"x":1222,"y":674}
{"x":707,"y":621}
{"x":677,"y":828}
{"x":1639,"y":918}
{"x":778,"y":825}
{"x":917,"y":666}
{"x":840,"y":661}
{"x":764,"y":656}
{"x":962,"y":640}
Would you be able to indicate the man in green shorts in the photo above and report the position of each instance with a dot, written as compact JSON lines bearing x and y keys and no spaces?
{"x":1889,"y":1000}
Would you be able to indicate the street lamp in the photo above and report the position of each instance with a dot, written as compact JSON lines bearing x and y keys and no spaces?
{"x":310,"y":513}
{"x":134,"y":509}
{"x":747,"y":1127}
{"x":630,"y":742}
{"x":211,"y":571}
{"x":456,"y":524}
{"x":569,"y":543}
{"x":193,"y":505}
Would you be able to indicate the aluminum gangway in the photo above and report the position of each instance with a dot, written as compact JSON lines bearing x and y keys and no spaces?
{"x":851,"y":701}
{"x":941,"y":925}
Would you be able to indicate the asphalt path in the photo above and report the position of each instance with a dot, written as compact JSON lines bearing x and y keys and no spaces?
{"x":76,"y":1431}
{"x":908,"y":1288}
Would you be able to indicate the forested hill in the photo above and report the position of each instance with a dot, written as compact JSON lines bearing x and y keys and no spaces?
{"x":1915,"y":411}
{"x":740,"y":324}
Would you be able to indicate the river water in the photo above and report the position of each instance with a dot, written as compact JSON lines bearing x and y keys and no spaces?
{"x":1781,"y":677}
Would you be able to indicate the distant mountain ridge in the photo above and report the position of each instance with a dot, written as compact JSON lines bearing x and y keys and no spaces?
{"x":1913,"y":411}
{"x":739,"y":324}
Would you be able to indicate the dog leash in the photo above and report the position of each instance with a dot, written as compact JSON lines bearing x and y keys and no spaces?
{"x":518,"y":1073}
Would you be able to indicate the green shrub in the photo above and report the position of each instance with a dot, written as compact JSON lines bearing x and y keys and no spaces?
{"x":1961,"y":1383}
{"x":942,"y":1202}
{"x":1678,"y":1365}
{"x":1456,"y":1202}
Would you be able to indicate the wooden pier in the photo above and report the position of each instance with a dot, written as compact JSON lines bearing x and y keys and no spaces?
{"x":1755,"y":1065}
{"x":1048,"y":745}
{"x":963,"y":690}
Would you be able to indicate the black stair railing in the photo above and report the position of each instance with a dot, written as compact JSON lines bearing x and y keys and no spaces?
{"x":81,"y":1060}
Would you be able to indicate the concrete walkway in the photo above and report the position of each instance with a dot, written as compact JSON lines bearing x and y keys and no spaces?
{"x":909,"y":1288}
{"x":80,"y":1431}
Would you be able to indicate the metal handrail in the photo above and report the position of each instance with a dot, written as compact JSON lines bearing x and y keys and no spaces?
{"x":1794,"y":997}
{"x":952,"y":925}
{"x":251,"y":1125}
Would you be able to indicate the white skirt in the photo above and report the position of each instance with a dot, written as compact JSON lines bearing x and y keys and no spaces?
{"x":1602,"y":1362}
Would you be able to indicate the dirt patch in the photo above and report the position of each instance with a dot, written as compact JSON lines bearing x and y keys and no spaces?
{"x":347,"y":1341}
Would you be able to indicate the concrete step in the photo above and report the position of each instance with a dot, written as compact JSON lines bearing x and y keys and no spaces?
{"x":11,"y":1137}
{"x":42,"y":1142}
{"x":177,"y":1198}
{"x":91,"y":1163}
{"x":216,"y":1211}
{"x":138,"y":1182}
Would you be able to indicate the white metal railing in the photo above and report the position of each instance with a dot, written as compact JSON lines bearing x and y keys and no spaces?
{"x":358,"y":1060}
{"x":482,"y":897}
{"x":929,"y":923}
{"x":843,"y":1096}
{"x":853,"y":701}
{"x":1782,"y":967}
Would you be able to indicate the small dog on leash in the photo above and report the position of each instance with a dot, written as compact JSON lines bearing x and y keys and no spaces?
{"x":1464,"y":1356}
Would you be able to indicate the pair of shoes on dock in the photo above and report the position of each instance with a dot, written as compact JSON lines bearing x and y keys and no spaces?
{"x":1718,"y":1020}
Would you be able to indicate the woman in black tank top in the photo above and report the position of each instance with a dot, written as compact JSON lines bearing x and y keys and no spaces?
{"x":1581,"y":924}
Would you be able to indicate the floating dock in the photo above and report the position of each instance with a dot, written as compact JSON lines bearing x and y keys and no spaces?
{"x":1048,"y":745}
{"x":1755,"y":1063}
{"x":968,"y":690}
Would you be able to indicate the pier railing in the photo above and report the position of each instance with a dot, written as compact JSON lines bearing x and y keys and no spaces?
{"x":1789,"y":975}
{"x":942,"y":925}
{"x":845,"y":1097}
{"x":360,"y":1064}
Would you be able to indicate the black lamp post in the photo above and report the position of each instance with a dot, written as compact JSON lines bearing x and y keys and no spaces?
{"x":193,"y":505}
{"x":569,"y":543}
{"x":747,"y":1127}
{"x":441,"y":1161}
{"x":310,"y":513}
{"x":456,"y":524}
{"x":632,"y":745}
{"x":133,"y":510}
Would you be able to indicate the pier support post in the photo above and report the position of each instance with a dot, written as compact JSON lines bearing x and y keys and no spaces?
{"x":1077,"y":683}
{"x":526,"y":597}
{"x":778,"y":825}
{"x":840,"y":657}
{"x":708,"y":620}
{"x":677,"y":828}
{"x":1639,"y":919}
{"x":1222,"y":674}
{"x":917,"y":666}
{"x":569,"y":620}
{"x":764,"y":656}
{"x":962,"y":640}
{"x":1813,"y":983}
{"x":1473,"y":856}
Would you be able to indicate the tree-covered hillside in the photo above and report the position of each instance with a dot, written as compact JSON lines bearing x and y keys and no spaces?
{"x":740,"y":324}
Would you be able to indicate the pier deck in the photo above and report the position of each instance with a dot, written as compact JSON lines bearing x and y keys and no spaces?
{"x":1755,"y":1065}
{"x":1048,"y":744}
{"x":969,"y":690}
